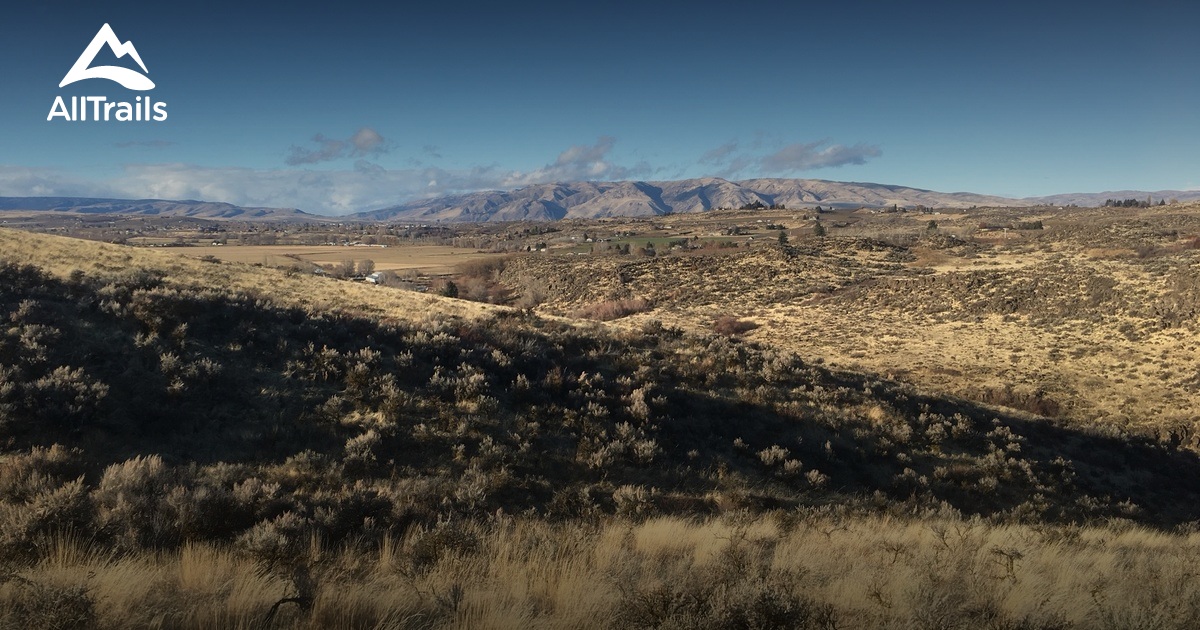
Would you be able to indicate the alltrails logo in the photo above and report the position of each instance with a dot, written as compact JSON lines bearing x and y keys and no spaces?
{"x":99,"y":107}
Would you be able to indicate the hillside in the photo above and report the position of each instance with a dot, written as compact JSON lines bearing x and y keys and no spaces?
{"x":313,"y":379}
{"x":325,"y":446}
{"x":500,"y":369}
{"x":1091,"y":317}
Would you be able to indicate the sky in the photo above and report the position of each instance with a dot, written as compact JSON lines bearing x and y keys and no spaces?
{"x":344,"y":107}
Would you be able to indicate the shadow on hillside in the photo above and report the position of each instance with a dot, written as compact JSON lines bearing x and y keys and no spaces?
{"x":132,"y":366}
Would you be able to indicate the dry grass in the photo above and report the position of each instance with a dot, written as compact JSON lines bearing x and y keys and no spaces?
{"x":831,"y":571}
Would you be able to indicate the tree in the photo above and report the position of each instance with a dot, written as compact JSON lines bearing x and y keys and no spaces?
{"x":345,"y":269}
{"x":450,"y":290}
{"x":388,"y":278}
{"x":783,"y":239}
{"x":819,"y":229}
{"x":366,"y":267}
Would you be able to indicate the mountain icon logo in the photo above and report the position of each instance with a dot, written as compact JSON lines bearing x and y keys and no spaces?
{"x":130,"y":79}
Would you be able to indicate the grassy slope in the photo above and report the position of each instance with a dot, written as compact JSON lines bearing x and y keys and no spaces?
{"x":60,"y":256}
{"x":1094,"y":322}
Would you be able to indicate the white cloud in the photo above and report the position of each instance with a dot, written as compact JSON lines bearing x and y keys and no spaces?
{"x":580,"y":162}
{"x":366,"y":186}
{"x":721,"y":154}
{"x":25,"y":181}
{"x":365,"y":141}
{"x":813,"y":155}
{"x":323,"y":192}
{"x":145,"y":144}
{"x":793,"y":158}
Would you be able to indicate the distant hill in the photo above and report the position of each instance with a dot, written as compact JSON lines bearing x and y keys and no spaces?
{"x":1098,"y":199}
{"x":547,"y":202}
{"x":152,"y":207}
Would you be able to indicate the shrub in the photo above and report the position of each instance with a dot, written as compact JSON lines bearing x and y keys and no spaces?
{"x":203,"y":510}
{"x":25,"y":527}
{"x":360,"y":452}
{"x":731,"y":326}
{"x":129,"y":503}
{"x":612,"y":309}
{"x":632,"y":500}
{"x":24,"y":475}
{"x":708,"y":603}
{"x":279,"y":541}
{"x":773,"y":456}
{"x":445,"y":539}
{"x":257,"y":499}
{"x":51,"y":607}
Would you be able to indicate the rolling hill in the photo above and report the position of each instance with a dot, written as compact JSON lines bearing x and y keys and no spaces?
{"x":150,"y":207}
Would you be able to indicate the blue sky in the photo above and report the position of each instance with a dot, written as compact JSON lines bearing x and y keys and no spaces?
{"x":347,"y":107}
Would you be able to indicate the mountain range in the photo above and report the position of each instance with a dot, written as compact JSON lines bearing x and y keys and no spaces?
{"x":548,"y":202}
{"x":569,"y":200}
